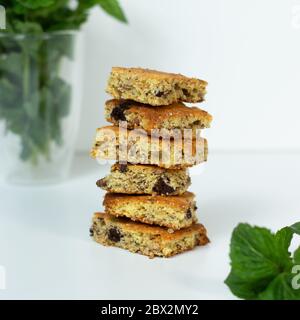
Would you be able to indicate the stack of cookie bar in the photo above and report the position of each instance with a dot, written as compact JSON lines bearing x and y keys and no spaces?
{"x":148,"y":209}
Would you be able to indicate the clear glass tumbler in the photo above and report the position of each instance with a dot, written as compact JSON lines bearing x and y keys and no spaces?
{"x":40,"y":96}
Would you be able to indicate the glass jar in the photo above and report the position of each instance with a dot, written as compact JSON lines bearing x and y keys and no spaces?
{"x":40,"y":95}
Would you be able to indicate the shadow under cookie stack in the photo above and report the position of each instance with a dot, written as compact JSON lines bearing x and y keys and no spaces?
{"x":148,"y":209}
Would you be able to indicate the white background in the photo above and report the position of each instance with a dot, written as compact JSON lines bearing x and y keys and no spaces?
{"x":248,"y":51}
{"x":47,"y":252}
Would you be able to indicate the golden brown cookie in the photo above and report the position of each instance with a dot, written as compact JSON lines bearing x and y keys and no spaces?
{"x":144,"y":239}
{"x":154,"y":87}
{"x":174,"y":212}
{"x":133,"y":146}
{"x":145,"y":179}
{"x":175,"y":117}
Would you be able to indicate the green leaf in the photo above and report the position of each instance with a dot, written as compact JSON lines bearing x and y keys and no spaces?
{"x":62,"y":98}
{"x":33,"y":98}
{"x":258,"y":257}
{"x":252,"y":248}
{"x":9,"y":92}
{"x":283,"y":239}
{"x":296,"y":228}
{"x":38,"y":137}
{"x":57,"y":48}
{"x":67,"y":19}
{"x":280,"y":289}
{"x":241,"y":288}
{"x":19,"y":9}
{"x":47,"y":112}
{"x":31,"y":106}
{"x":27,"y":27}
{"x":36,"y":4}
{"x":296,"y":256}
{"x":11,"y":63}
{"x":113,"y":8}
{"x":27,"y":151}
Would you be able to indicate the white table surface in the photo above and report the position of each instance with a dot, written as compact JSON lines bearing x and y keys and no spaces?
{"x":47,"y":253}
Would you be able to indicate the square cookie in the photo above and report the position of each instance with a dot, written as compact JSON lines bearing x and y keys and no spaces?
{"x":173,"y":212}
{"x":133,"y":146}
{"x":145,"y":179}
{"x":170,"y":119}
{"x":144,"y":239}
{"x":154,"y":87}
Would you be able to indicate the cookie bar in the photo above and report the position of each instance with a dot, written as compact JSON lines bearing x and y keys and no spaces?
{"x":145,"y":179}
{"x":133,"y":146}
{"x":174,"y":117}
{"x":154,"y":87}
{"x":174,"y":212}
{"x":144,"y":239}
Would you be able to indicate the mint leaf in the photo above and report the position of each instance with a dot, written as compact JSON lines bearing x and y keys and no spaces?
{"x":7,"y":96}
{"x":296,"y":228}
{"x":62,"y":98}
{"x":296,"y":256}
{"x":243,"y":289}
{"x":113,"y":8}
{"x":283,"y":239}
{"x":31,"y":106}
{"x":27,"y":27}
{"x":36,"y":4}
{"x":253,"y":248}
{"x":261,"y":263}
{"x":33,"y":98}
{"x":280,"y":289}
{"x":11,"y":63}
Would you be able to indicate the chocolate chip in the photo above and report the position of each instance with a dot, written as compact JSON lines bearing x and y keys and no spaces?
{"x":185,"y":92}
{"x":123,"y":168}
{"x":161,"y":187}
{"x":114,"y":234}
{"x":118,"y":114}
{"x":199,"y":124}
{"x":188,"y":214}
{"x":159,"y":94}
{"x":118,"y":111}
{"x":101,"y":183}
{"x":91,"y":231}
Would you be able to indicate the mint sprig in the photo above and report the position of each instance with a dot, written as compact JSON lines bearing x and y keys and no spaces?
{"x":34,"y":99}
{"x":261,"y":264}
